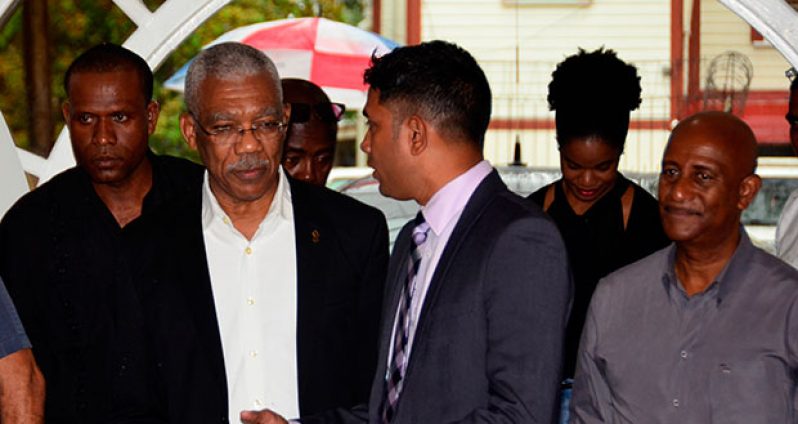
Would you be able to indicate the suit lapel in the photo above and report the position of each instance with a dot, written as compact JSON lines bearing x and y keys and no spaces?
{"x":311,"y":254}
{"x":397,"y":272}
{"x":313,"y":243}
{"x":482,"y":196}
{"x":199,"y":292}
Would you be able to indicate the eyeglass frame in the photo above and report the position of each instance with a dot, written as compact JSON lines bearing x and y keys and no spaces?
{"x":239,"y":132}
{"x":336,"y":111}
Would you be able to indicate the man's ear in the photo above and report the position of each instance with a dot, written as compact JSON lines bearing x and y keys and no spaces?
{"x":418,"y":134}
{"x":188,"y":130}
{"x":66,"y":111}
{"x":286,"y":112}
{"x":153,"y":110}
{"x":748,"y":189}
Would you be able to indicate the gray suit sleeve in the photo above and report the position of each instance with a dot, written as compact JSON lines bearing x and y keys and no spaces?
{"x":591,"y":394}
{"x":12,"y":335}
{"x":792,"y":341}
{"x":527,"y":295}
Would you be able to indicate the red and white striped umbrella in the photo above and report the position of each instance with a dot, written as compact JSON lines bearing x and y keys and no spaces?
{"x":331,"y":54}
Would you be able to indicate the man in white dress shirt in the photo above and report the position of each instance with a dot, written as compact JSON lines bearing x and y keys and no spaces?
{"x":285,"y":314}
{"x":787,"y":228}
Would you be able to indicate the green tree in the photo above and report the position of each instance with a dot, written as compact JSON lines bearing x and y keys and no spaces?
{"x":167,"y":139}
{"x":76,"y":25}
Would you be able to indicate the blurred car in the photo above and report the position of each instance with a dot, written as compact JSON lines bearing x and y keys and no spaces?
{"x":341,"y":176}
{"x":520,"y":179}
{"x":779,"y":179}
{"x":397,"y":212}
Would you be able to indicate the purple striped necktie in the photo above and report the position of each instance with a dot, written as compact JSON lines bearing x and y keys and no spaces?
{"x":396,"y":370}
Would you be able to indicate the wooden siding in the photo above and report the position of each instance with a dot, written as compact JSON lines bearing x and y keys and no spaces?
{"x":392,"y":23}
{"x":722,"y":30}
{"x":639,"y":30}
{"x":766,"y":103}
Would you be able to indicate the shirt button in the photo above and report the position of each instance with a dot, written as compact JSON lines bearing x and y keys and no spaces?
{"x":250,"y":301}
{"x":248,"y":250}
{"x":676,"y":403}
{"x":258,"y":403}
{"x":683,"y":354}
{"x":253,"y":353}
{"x":226,"y":220}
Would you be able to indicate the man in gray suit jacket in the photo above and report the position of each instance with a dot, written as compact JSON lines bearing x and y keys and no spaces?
{"x":478,"y":288}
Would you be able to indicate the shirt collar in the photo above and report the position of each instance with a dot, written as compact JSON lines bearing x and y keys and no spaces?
{"x":450,"y":200}
{"x":731,"y":275}
{"x":728,"y":278}
{"x":156,"y":195}
{"x":212,"y":212}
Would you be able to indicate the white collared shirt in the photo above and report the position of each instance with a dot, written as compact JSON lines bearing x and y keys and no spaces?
{"x":255,"y":293}
{"x":787,"y":231}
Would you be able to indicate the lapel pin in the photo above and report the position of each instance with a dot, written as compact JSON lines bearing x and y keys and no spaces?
{"x":314,"y":235}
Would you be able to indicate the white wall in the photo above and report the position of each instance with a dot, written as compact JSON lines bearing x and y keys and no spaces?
{"x":722,"y":30}
{"x":639,"y":30}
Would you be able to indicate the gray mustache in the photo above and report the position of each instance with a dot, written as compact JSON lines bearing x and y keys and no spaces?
{"x":248,"y":163}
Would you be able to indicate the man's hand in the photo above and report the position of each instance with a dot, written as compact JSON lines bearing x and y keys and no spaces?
{"x":262,"y":417}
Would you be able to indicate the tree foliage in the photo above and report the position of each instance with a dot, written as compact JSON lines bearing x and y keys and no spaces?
{"x":76,"y":25}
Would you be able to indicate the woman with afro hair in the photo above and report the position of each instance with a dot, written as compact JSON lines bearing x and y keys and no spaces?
{"x":606,"y":220}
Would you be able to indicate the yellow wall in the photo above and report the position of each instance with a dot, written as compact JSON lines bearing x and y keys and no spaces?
{"x":639,"y":30}
{"x":722,"y":30}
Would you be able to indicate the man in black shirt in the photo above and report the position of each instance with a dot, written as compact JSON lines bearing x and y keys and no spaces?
{"x":60,"y":245}
{"x":309,"y":148}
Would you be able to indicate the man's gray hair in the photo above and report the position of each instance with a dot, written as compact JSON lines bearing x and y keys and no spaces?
{"x":227,"y":61}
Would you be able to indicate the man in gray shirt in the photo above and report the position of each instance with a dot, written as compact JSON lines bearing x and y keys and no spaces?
{"x":706,"y":330}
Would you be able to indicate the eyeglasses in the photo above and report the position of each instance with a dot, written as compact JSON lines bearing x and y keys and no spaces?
{"x":791,"y":74}
{"x":230,"y":134}
{"x":327,"y":112}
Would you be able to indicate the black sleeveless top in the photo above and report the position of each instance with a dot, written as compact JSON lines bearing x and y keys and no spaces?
{"x":597,"y":244}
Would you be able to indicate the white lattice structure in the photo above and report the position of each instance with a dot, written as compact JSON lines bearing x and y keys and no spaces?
{"x":774,"y":19}
{"x":159,"y":33}
{"x":156,"y":36}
